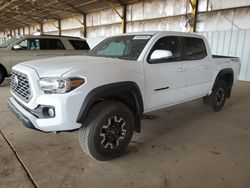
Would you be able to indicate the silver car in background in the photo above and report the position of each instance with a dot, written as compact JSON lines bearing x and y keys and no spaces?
{"x":31,"y":47}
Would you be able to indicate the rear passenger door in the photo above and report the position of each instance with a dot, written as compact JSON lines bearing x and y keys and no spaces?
{"x":49,"y":47}
{"x":198,"y":67}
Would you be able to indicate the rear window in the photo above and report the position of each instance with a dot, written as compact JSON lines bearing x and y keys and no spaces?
{"x":51,"y":44}
{"x":194,"y":48}
{"x":79,"y":44}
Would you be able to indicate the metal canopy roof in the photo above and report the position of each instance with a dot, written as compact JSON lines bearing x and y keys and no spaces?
{"x":21,"y":13}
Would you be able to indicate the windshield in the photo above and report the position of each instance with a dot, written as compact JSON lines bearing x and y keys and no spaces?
{"x":127,"y":47}
{"x":8,"y":42}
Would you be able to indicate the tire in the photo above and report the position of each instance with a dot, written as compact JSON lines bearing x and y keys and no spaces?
{"x":2,"y":75}
{"x":107,"y":131}
{"x":216,"y":100}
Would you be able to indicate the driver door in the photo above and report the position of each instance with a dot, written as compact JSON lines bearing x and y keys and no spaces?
{"x":166,"y":77}
{"x":23,"y":53}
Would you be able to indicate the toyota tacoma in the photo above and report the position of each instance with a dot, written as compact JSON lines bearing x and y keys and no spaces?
{"x":105,"y":94}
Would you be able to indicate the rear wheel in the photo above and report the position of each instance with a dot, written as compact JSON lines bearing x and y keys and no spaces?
{"x":2,"y":75}
{"x":107,"y":131}
{"x":216,"y":100}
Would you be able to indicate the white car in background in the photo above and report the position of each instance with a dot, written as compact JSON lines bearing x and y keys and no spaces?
{"x":25,"y":48}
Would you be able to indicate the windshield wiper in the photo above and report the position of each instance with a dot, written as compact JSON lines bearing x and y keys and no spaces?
{"x":124,"y":58}
{"x":113,"y":57}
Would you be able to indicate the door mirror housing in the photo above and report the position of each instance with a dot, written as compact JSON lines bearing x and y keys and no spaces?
{"x":17,"y":47}
{"x":161,"y":55}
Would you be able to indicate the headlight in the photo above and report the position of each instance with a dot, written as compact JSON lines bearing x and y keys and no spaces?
{"x":60,"y":85}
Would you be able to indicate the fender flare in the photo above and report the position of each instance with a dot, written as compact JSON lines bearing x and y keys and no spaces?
{"x":127,"y":92}
{"x":221,"y":74}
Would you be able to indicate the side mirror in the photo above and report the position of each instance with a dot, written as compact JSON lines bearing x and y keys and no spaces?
{"x":161,"y":55}
{"x":17,"y":47}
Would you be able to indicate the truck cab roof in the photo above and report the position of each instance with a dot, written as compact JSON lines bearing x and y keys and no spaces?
{"x":176,"y":33}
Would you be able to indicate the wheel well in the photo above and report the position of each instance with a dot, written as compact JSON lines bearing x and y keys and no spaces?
{"x":129,"y":100}
{"x":228,"y":79}
{"x":126,"y":92}
{"x":227,"y":76}
{"x":4,"y":70}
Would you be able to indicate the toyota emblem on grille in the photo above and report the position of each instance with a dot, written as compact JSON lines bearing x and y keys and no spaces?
{"x":16,"y":81}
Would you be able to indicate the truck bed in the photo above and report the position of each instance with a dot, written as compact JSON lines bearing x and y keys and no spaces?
{"x":221,"y":56}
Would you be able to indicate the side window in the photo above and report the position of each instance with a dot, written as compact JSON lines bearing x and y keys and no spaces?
{"x":195,"y":48}
{"x":79,"y":44}
{"x":23,"y":45}
{"x":169,"y":45}
{"x":51,"y":44}
{"x":34,"y":44}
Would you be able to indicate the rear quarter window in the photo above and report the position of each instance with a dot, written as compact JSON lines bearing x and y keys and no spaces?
{"x":194,"y":48}
{"x":79,"y":44}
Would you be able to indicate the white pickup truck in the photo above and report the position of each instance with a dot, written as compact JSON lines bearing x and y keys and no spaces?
{"x":105,"y":94}
{"x":32,"y":47}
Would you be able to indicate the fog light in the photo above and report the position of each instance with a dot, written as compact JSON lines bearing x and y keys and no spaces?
{"x":48,"y":112}
{"x":51,"y":112}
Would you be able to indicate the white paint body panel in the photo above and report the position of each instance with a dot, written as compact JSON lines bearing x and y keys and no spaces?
{"x":195,"y":80}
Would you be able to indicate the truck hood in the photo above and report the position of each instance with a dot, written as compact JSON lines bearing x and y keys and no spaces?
{"x":57,"y":66}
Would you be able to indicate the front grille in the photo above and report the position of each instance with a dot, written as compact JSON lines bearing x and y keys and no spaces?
{"x":19,"y":84}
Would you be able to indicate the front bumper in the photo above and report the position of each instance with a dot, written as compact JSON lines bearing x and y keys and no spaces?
{"x":24,"y":119}
{"x":63,"y":120}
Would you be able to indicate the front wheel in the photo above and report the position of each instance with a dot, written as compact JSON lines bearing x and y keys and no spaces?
{"x":107,"y":131}
{"x":216,"y":100}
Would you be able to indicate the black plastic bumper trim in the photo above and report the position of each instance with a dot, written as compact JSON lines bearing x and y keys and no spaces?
{"x":24,"y":119}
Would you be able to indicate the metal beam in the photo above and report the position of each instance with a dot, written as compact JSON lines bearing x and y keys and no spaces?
{"x":225,"y":9}
{"x":41,"y":28}
{"x":85,"y":25}
{"x":120,"y":2}
{"x":114,"y":8}
{"x":32,"y":8}
{"x":17,"y":20}
{"x":25,"y":15}
{"x":14,"y":15}
{"x":59,"y":27}
{"x":9,"y":25}
{"x":124,"y":18}
{"x":64,"y":10}
{"x":78,"y":10}
{"x":194,"y":5}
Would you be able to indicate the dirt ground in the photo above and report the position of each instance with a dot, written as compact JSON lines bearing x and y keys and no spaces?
{"x":184,"y":146}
